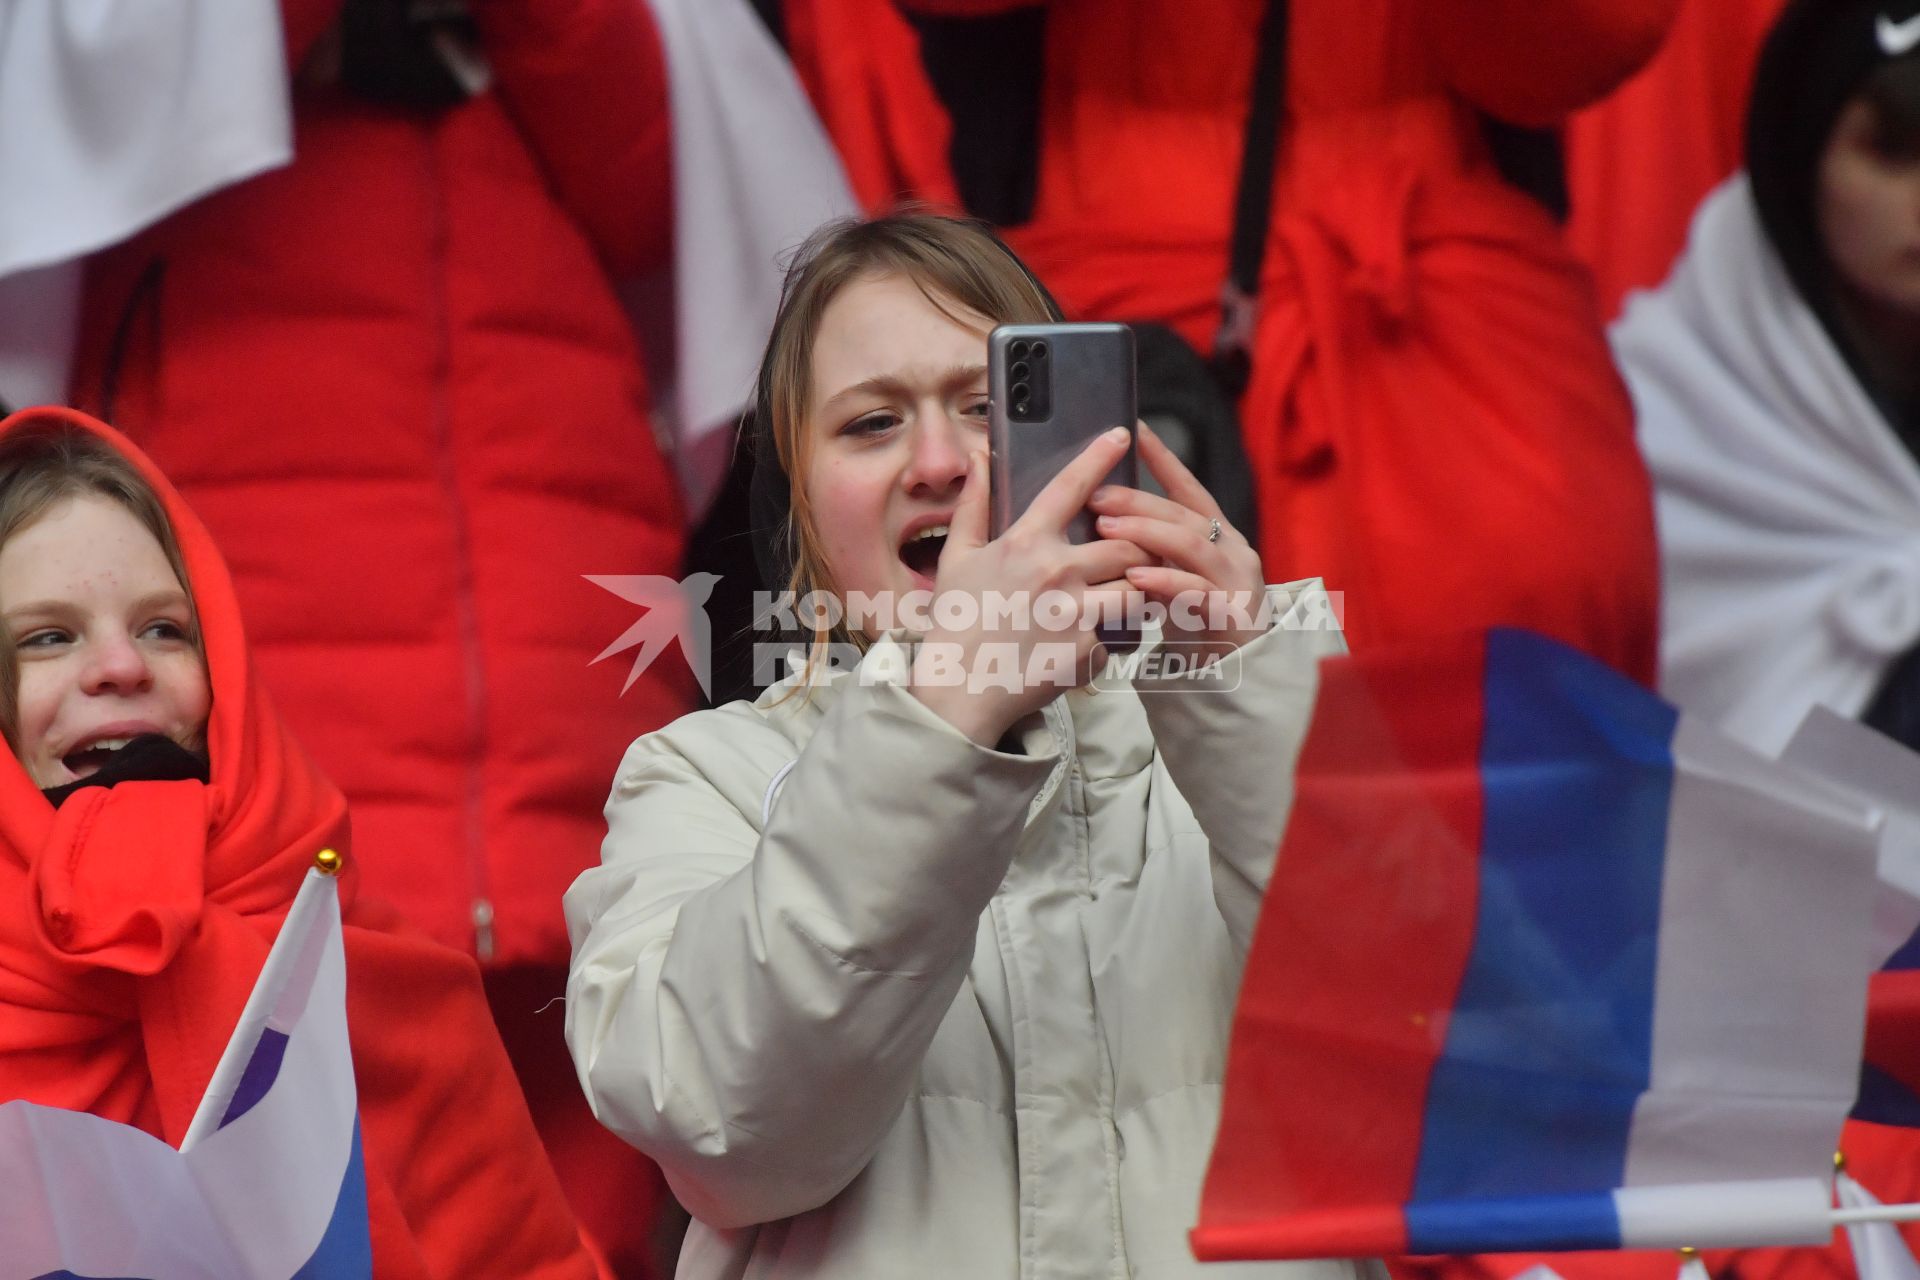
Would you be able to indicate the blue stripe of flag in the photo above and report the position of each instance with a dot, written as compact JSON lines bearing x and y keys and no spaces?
{"x":262,"y":1069}
{"x":1549,"y":1044}
{"x":1517,"y":1225}
{"x":1907,"y":957}
{"x":345,"y":1252}
{"x":1883,"y":1099}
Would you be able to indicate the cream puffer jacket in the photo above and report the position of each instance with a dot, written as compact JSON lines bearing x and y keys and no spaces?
{"x":885,"y":1003}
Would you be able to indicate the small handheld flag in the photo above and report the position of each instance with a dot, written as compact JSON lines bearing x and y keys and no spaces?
{"x":268,"y":1183}
{"x":1879,"y":1253}
{"x":1544,"y":965}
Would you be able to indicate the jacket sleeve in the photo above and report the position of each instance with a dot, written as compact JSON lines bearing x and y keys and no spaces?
{"x":1231,"y":749}
{"x":751,"y":1008}
{"x":1533,"y":64}
{"x":586,"y":82}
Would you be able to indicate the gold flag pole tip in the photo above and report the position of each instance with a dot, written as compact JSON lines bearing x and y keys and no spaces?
{"x":328,"y":862}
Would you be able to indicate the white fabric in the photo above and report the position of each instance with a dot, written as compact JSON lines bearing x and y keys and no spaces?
{"x":1756,"y":1028}
{"x":940,"y":1011}
{"x":753,"y":175}
{"x":1782,"y":1211}
{"x":1789,"y":512}
{"x":97,"y":1198}
{"x":247,"y":1200}
{"x":1887,"y":775}
{"x":1879,"y":1252}
{"x":114,"y":113}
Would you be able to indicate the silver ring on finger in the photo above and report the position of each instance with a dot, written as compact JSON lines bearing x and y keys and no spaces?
{"x":1213,"y":530}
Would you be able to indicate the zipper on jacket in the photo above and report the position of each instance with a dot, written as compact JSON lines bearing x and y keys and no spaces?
{"x":483,"y":928}
{"x":466,"y":609}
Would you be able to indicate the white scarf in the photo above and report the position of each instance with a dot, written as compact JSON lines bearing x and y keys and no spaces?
{"x":114,"y":113}
{"x":753,"y":175}
{"x":1788,"y":510}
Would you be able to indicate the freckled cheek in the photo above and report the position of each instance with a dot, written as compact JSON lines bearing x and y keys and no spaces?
{"x":41,"y":694}
{"x":189,"y":695}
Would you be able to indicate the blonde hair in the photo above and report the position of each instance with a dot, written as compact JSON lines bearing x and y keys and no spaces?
{"x":955,"y":262}
{"x":41,"y":467}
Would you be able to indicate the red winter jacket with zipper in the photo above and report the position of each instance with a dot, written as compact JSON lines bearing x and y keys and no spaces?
{"x":396,"y":382}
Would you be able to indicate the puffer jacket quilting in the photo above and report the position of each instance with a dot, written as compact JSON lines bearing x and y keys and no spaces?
{"x":883,"y":1002}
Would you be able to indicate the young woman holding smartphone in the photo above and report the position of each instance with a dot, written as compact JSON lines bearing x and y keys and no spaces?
{"x":898,"y":977}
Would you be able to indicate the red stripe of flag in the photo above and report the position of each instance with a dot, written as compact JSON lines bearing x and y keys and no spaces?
{"x":1358,"y":955}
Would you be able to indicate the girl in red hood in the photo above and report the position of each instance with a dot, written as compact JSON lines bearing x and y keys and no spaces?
{"x":155,"y":823}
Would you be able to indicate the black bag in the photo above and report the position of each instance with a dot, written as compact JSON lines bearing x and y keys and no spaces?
{"x":1185,"y":404}
{"x":1189,"y":400}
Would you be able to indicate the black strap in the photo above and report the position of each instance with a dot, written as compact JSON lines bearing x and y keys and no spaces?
{"x":1253,"y":198}
{"x":988,"y":73}
{"x":1532,"y":160}
{"x":1253,"y":202}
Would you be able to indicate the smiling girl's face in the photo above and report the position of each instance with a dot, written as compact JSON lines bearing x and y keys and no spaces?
{"x":102,"y":633}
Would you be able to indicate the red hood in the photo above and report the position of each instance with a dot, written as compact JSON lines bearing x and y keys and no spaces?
{"x":121,"y":882}
{"x":134,"y":920}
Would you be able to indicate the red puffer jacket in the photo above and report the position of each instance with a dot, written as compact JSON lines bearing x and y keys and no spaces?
{"x":1434,"y":422}
{"x":396,"y":382}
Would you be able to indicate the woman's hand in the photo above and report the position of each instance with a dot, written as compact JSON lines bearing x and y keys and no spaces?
{"x":1059,"y":592}
{"x":1211,"y":584}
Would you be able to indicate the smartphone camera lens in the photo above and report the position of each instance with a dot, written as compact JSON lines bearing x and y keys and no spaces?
{"x":1018,"y":350}
{"x":1021,"y":370}
{"x":1039,"y":351}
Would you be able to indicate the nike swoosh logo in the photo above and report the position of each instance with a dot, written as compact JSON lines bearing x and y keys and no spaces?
{"x":1897,"y":38}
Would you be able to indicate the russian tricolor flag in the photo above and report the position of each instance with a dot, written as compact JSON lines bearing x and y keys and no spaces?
{"x":268,"y":1183}
{"x":1543,"y":965}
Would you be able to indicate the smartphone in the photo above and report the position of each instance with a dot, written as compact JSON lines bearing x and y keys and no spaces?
{"x":1053,"y":388}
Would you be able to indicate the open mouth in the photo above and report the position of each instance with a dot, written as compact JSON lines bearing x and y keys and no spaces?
{"x":921,"y":552}
{"x":93,"y":757}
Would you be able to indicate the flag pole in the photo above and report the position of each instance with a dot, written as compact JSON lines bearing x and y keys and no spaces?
{"x":1871,"y":1212}
{"x":318,"y":885}
{"x":1877,"y":1213}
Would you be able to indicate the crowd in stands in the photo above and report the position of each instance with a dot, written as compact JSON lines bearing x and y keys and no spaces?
{"x":1600,"y":319}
